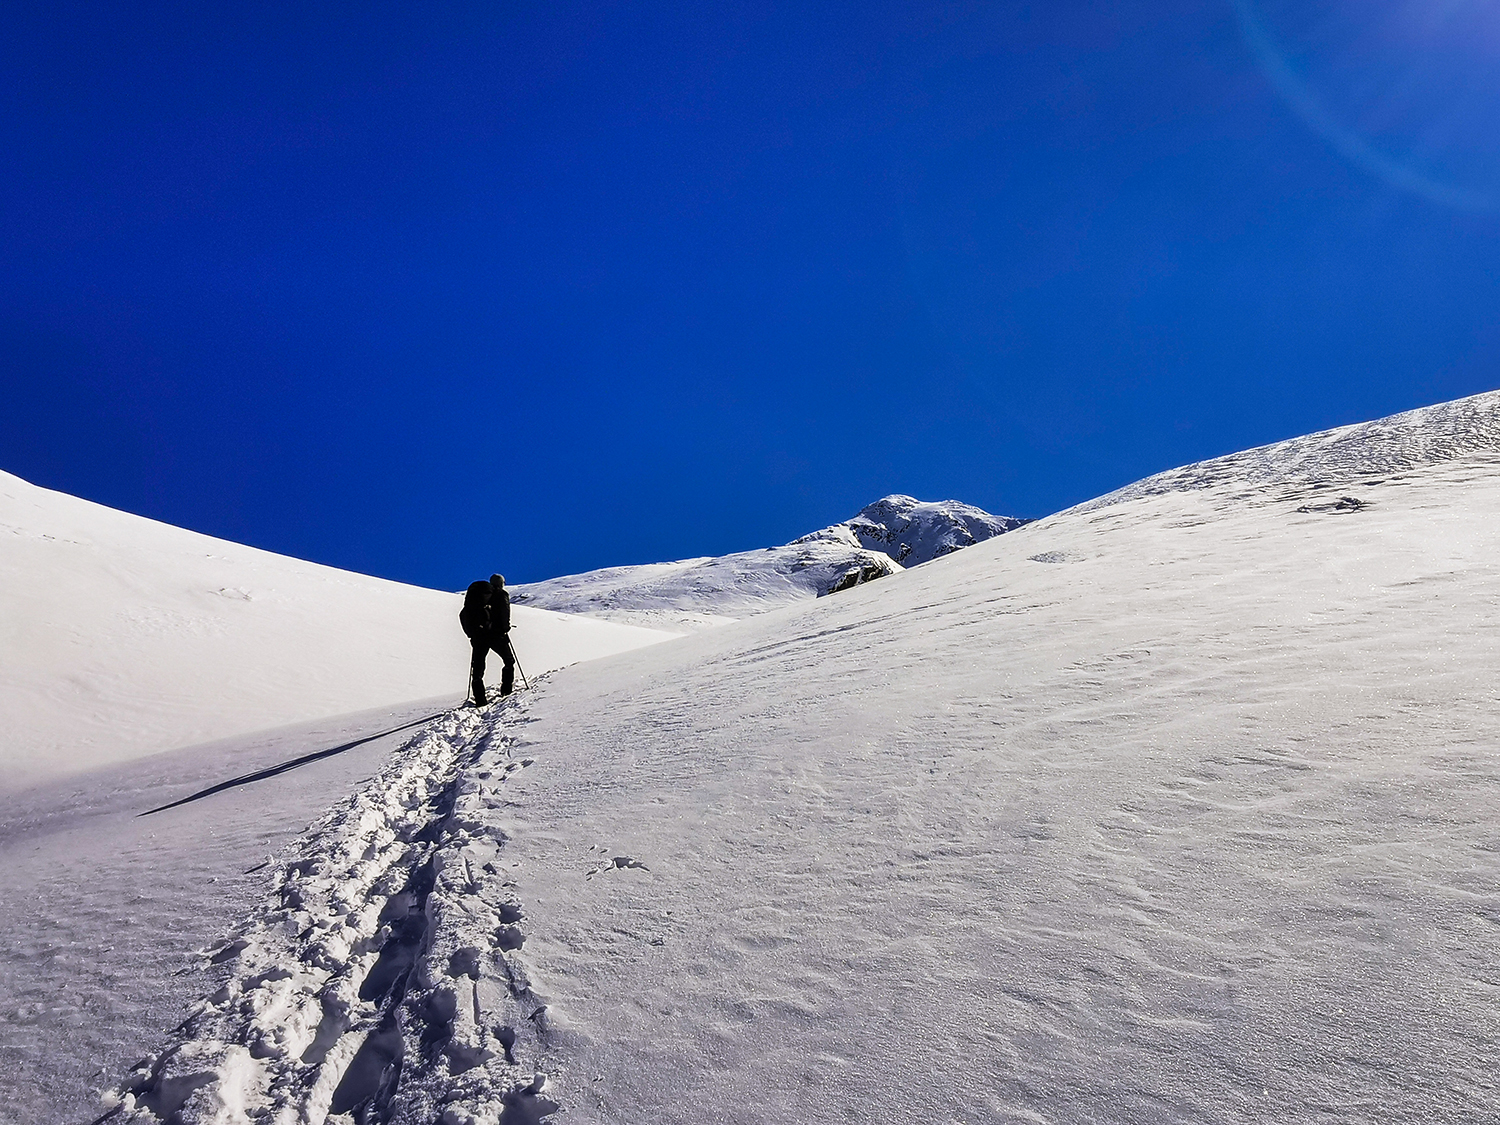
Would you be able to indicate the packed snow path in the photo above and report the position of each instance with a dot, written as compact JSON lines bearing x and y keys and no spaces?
{"x":1175,"y":808}
{"x":105,"y":908}
{"x":378,"y":981}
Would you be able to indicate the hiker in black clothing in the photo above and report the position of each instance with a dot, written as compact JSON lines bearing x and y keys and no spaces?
{"x":485,"y":618}
{"x":500,"y":631}
{"x":475,"y":619}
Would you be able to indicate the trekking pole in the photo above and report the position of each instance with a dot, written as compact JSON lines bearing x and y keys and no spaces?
{"x":524,"y":681}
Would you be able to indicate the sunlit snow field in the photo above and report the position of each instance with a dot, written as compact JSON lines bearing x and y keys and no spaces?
{"x":1182,"y":809}
{"x":1179,"y":806}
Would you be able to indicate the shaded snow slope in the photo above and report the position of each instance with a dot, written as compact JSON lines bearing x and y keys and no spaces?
{"x":121,"y":636}
{"x":884,"y":537}
{"x":1179,"y":810}
{"x":105,"y":909}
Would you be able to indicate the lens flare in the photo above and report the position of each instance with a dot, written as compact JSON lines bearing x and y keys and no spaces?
{"x":1408,"y":91}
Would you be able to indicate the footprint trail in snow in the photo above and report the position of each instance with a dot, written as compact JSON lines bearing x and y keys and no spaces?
{"x":380,"y":979}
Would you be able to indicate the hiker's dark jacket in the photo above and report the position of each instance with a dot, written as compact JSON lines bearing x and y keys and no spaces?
{"x":499,"y":610}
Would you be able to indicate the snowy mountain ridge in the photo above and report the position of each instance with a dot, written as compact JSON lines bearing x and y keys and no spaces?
{"x":885,"y":537}
{"x":911,"y":532}
{"x":1343,"y":455}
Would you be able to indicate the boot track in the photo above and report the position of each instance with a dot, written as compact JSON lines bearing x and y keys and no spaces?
{"x":380,"y":979}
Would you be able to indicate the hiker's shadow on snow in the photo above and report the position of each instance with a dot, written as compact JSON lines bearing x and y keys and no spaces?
{"x":283,"y":767}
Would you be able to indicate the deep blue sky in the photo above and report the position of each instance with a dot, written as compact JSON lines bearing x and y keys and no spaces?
{"x":429,"y":290}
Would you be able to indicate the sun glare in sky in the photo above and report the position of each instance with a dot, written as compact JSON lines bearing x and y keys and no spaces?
{"x":1410,"y":91}
{"x":421,"y":290}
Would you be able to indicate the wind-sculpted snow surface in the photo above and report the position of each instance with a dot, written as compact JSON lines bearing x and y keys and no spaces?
{"x":1178,"y":810}
{"x":380,"y":981}
{"x":1346,"y":455}
{"x":884,"y":538}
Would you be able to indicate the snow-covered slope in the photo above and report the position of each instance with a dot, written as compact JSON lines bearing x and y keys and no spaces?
{"x":1180,"y":809}
{"x":1360,"y":454}
{"x":106,"y":908}
{"x":121,"y":636}
{"x":884,"y":537}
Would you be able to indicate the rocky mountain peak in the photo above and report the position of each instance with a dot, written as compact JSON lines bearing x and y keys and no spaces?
{"x":911,"y":532}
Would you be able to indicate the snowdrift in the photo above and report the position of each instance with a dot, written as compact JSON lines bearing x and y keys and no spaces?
{"x":1178,"y":808}
{"x":122,"y":636}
